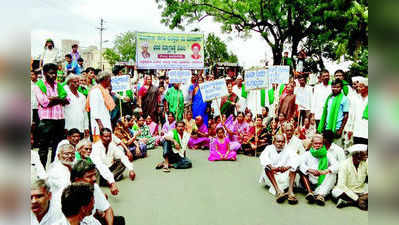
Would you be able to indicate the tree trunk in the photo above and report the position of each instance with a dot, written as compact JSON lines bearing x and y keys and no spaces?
{"x":277,"y":55}
{"x":295,"y":44}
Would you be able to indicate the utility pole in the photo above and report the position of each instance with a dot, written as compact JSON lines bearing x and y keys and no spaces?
{"x":101,"y":29}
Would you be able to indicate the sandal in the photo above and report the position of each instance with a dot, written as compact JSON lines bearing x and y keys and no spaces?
{"x":281,"y":197}
{"x":310,"y":198}
{"x":320,"y":200}
{"x":166,"y":169}
{"x":159,"y":166}
{"x":292,"y":200}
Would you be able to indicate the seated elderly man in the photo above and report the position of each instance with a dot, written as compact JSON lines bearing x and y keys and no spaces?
{"x":199,"y":137}
{"x":43,"y":212}
{"x":318,"y":171}
{"x":59,"y":172}
{"x":352,"y":188}
{"x":174,"y":149}
{"x":279,"y":164}
{"x":73,"y":137}
{"x":83,"y":150}
{"x":110,"y":161}
{"x":85,"y":172}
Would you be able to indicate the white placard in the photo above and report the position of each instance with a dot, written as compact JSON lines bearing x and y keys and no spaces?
{"x":278,"y":74}
{"x":256,"y":80}
{"x":120,"y":83}
{"x":213,"y":89}
{"x":179,"y":76}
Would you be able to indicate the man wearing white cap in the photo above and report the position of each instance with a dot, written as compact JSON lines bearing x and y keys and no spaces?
{"x":352,"y":188}
{"x":237,"y":89}
{"x":359,"y":110}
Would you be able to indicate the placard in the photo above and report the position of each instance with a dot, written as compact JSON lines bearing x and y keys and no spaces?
{"x":256,"y":80}
{"x":169,"y":51}
{"x":179,"y":76}
{"x":120,"y":83}
{"x":213,"y":89}
{"x":278,"y":74}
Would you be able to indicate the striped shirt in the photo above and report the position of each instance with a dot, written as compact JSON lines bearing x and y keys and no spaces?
{"x":55,"y":112}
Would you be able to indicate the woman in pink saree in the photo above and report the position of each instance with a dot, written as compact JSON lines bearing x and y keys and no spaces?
{"x":220,"y":148}
{"x":236,"y":130}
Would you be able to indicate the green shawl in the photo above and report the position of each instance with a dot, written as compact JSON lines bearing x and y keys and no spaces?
{"x":79,"y":157}
{"x":84,"y":91}
{"x":129,"y":93}
{"x":366,"y":112}
{"x":271,"y":93}
{"x":60,"y":89}
{"x":175,"y":99}
{"x":320,"y":154}
{"x":332,"y":119}
{"x":176,"y":136}
{"x":244,"y":94}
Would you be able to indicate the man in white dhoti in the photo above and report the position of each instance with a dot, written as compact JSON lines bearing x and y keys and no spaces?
{"x":293,"y":142}
{"x":237,"y":89}
{"x":318,"y":171}
{"x":359,"y":110}
{"x":352,"y":188}
{"x":279,"y":165}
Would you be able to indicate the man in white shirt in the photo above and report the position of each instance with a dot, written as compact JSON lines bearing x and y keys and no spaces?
{"x":352,"y":188}
{"x":293,"y":142}
{"x":110,"y":161}
{"x":50,"y":54}
{"x":359,"y":127}
{"x":320,"y":94}
{"x":84,"y":171}
{"x":101,"y":103}
{"x":303,"y":98}
{"x":237,"y":89}
{"x":59,"y":172}
{"x":318,"y":171}
{"x":279,"y":164}
{"x":73,"y":138}
{"x":174,"y":149}
{"x":337,"y":152}
{"x":42,"y":211}
{"x":75,"y":112}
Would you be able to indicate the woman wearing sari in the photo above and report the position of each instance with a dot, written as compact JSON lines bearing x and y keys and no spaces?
{"x":199,"y":106}
{"x":152,"y":125}
{"x":228,"y":103}
{"x":148,"y":98}
{"x":220,"y":148}
{"x":258,"y":138}
{"x":236,"y":130}
{"x":144,"y":135}
{"x":122,"y":131}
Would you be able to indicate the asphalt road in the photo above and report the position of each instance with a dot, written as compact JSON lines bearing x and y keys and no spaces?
{"x":215,"y":193}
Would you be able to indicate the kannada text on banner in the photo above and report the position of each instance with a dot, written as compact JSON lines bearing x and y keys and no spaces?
{"x":213,"y":89}
{"x":256,"y":80}
{"x":120,"y":83}
{"x":278,"y":74}
{"x":179,"y":76}
{"x":170,"y":51}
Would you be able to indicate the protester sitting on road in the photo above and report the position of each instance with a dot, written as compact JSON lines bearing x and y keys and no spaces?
{"x":85,"y":172}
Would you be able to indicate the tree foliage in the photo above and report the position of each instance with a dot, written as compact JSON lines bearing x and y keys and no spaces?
{"x":124,"y":48}
{"x":329,"y":28}
{"x":216,"y":51}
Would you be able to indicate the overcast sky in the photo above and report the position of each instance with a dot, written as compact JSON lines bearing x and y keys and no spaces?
{"x":78,"y":20}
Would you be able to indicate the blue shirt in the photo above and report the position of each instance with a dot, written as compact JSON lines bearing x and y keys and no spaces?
{"x":72,"y":66}
{"x":79,"y":69}
{"x":344,"y":107}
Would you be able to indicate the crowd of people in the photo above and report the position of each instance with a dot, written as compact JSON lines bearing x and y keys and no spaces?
{"x":309,"y":138}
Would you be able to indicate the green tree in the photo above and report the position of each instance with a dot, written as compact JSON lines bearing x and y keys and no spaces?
{"x":216,"y":51}
{"x":124,"y":48}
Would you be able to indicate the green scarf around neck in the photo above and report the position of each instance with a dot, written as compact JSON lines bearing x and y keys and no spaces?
{"x":176,"y":137}
{"x":366,"y":112}
{"x":333,"y":115}
{"x":271,"y":93}
{"x":60,"y":89}
{"x":320,"y":154}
